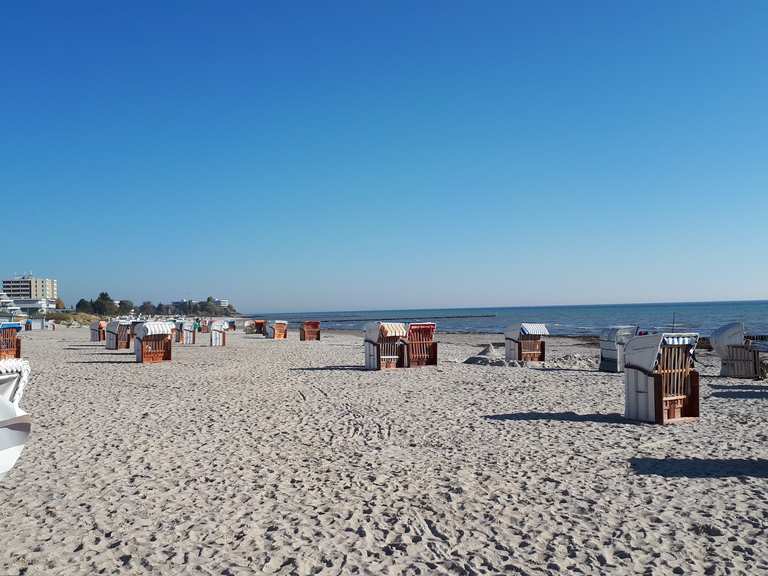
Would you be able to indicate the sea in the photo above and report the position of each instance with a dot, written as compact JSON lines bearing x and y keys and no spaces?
{"x":581,"y":320}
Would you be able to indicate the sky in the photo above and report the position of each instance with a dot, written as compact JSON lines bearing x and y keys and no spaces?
{"x":310,"y":156}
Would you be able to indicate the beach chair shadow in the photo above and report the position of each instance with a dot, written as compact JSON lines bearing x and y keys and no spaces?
{"x":699,"y":467}
{"x":329,"y":368}
{"x":741,"y":394}
{"x":561,"y":417}
{"x":556,"y":369}
{"x":131,"y":361}
{"x":735,"y":387}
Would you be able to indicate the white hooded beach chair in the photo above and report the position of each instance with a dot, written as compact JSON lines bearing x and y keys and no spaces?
{"x":660,"y":384}
{"x":524,"y":343}
{"x":384,"y":345}
{"x":118,"y":335}
{"x":612,"y":341}
{"x":219,"y":333}
{"x":185,"y":332}
{"x":153,"y":342}
{"x":278,"y":330}
{"x":15,"y":424}
{"x":259,"y":327}
{"x":739,"y":356}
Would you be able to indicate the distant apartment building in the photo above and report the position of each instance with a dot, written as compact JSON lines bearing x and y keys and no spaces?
{"x":31,"y":288}
{"x":223,"y":302}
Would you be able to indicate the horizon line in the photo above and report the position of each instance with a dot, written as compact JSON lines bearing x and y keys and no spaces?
{"x":743,"y":301}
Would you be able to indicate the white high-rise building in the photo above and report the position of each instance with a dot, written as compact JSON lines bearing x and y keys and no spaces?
{"x":31,"y":288}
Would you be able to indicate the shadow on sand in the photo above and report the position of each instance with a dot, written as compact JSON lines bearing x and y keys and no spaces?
{"x":556,"y":369}
{"x":699,"y":467}
{"x":763,"y":387}
{"x":132,"y":361}
{"x":562,"y":417}
{"x":741,"y":394}
{"x":329,"y":368}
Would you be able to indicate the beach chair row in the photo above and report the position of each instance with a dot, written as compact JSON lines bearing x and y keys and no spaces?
{"x":278,"y":329}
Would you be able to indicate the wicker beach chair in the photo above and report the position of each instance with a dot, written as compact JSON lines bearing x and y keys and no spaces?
{"x":15,"y":423}
{"x":278,"y":330}
{"x":118,"y":335}
{"x":10,"y":342}
{"x":153,"y":342}
{"x":309,"y":330}
{"x":187,"y":333}
{"x":739,"y":354}
{"x":257,"y":327}
{"x":524,"y":342}
{"x":420,"y":347}
{"x":219,"y":333}
{"x":384,"y":346}
{"x":660,"y":384}
{"x":612,"y":342}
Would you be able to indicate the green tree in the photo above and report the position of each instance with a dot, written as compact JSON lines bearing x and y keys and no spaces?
{"x":60,"y":304}
{"x":84,"y":306}
{"x":162,"y":309}
{"x":125,"y":307}
{"x":104,"y":305}
{"x":147,"y":308}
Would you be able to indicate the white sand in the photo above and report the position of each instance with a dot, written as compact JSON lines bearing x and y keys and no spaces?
{"x":286,"y":457}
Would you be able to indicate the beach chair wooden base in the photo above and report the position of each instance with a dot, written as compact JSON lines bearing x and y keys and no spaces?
{"x":280,"y":332}
{"x":609,"y":365}
{"x":531,"y":349}
{"x":393,"y":356}
{"x":154,"y":348}
{"x":218,"y":338}
{"x":309,"y":334}
{"x":421,"y":354}
{"x":741,"y":362}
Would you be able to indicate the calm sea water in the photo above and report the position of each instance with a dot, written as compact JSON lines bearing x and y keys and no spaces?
{"x":700,"y":317}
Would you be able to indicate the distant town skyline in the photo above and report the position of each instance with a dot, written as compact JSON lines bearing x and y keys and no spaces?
{"x":389,"y":155}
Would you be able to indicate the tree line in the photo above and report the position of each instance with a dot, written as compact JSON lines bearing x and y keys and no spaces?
{"x":105,"y":306}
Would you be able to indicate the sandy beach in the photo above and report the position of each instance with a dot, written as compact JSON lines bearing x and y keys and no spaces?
{"x":285,"y":457}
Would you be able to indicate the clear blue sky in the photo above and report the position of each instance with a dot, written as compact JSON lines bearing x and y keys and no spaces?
{"x":343,"y":155}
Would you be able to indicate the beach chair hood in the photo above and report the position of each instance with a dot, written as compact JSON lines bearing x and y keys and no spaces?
{"x":114,"y":325}
{"x":14,"y":376}
{"x":618,"y":334}
{"x":153,"y":328}
{"x":384,"y":329}
{"x":728,"y":335}
{"x":15,"y":424}
{"x":642,"y":352}
{"x":514,"y":331}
